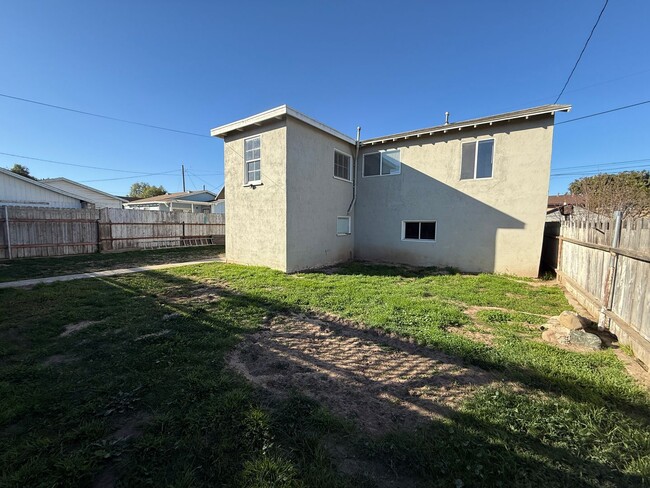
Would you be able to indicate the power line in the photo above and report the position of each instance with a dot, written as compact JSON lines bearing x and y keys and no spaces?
{"x":596,"y":165}
{"x":583,"y":51}
{"x":605,"y":112}
{"x":101,"y":116}
{"x":204,"y":181}
{"x":168,"y":173}
{"x":73,"y":164}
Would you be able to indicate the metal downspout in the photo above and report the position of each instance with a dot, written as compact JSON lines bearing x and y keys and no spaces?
{"x":354,"y":177}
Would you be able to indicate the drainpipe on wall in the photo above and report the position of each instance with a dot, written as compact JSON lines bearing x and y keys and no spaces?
{"x":354,"y":171}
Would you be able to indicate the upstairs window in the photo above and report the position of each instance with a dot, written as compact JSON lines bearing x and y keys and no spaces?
{"x":477,"y":159}
{"x":418,"y":230}
{"x":342,"y":164}
{"x":252,"y":160}
{"x":382,"y":163}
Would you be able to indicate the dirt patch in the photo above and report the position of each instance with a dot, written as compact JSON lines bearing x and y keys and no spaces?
{"x":57,"y":359}
{"x":200,"y":292}
{"x":380,"y":382}
{"x":72,"y":328}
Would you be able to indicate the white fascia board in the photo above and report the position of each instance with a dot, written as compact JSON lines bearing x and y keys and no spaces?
{"x":276,"y":113}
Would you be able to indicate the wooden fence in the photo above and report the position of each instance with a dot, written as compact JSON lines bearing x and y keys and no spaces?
{"x":605,"y":265}
{"x":37,"y":232}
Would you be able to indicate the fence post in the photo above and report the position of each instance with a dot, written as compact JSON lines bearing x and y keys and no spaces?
{"x":7,"y":232}
{"x":610,"y":276}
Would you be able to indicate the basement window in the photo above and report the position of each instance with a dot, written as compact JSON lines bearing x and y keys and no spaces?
{"x":382,"y":163}
{"x":343,"y":227}
{"x":252,"y":161}
{"x":477,"y":159}
{"x":419,"y":230}
{"x":342,"y":163}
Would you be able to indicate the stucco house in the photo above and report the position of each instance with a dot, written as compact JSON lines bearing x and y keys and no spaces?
{"x":469,"y":194}
{"x":201,"y":201}
{"x":97,"y":197}
{"x":17,"y":190}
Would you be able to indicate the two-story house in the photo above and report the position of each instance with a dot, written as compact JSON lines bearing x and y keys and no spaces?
{"x":470,"y":195}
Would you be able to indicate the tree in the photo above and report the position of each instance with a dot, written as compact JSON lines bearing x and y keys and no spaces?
{"x":21,"y":170}
{"x":628,"y":192}
{"x":145,"y":190}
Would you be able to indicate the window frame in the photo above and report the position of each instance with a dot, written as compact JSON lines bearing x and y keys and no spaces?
{"x":476,"y":143}
{"x":381,"y":159}
{"x":349,"y":219}
{"x":404,"y":222}
{"x":248,"y":182}
{"x":349,"y":156}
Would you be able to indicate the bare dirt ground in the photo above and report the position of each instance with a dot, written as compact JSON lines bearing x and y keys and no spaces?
{"x":379,"y":382}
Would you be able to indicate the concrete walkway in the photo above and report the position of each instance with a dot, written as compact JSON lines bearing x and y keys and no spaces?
{"x":104,"y":274}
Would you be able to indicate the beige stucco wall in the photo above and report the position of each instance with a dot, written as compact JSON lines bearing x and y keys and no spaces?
{"x":315,"y":198}
{"x":487,"y":225}
{"x":256,"y":218}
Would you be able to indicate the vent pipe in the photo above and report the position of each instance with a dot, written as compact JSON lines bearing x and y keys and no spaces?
{"x":446,"y":118}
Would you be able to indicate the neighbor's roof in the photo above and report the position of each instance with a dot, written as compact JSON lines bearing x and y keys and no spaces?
{"x":172,"y":197}
{"x":470,"y":124}
{"x":560,"y":200}
{"x":42,"y":185}
{"x":48,"y":180}
{"x":277,"y":113}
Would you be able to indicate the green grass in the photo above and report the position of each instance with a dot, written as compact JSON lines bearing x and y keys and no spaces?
{"x":23,"y":269}
{"x":575,"y":420}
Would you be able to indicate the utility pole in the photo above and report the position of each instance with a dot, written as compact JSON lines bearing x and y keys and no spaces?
{"x":183,"y":173}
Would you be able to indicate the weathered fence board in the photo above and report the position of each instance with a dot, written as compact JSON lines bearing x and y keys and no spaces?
{"x":585,"y":254}
{"x":37,"y":232}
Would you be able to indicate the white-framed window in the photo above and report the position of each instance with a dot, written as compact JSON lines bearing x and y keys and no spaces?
{"x":342,"y":164}
{"x":343,"y":226}
{"x":252,"y":161}
{"x":477,"y":159}
{"x":419,"y":230}
{"x":382,"y":163}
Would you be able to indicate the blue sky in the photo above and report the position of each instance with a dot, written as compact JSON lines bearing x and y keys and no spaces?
{"x":386,"y":66}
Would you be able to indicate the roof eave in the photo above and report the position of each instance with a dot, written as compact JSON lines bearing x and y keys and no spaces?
{"x":277,"y":113}
{"x":459,"y":126}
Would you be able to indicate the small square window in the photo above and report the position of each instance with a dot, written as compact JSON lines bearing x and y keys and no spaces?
{"x":343,"y":227}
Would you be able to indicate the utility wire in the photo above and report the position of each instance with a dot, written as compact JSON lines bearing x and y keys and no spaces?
{"x":73,"y":164}
{"x":101,"y":116}
{"x":605,"y":112}
{"x":583,"y":51}
{"x":168,"y":173}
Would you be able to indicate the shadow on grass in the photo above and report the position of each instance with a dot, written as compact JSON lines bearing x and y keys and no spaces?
{"x":468,"y":445}
{"x":162,"y":350}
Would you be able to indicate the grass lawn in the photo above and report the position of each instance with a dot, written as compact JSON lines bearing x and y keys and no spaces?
{"x":125,"y":382}
{"x":24,"y":269}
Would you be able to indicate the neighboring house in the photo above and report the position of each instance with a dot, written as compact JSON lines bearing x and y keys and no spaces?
{"x":17,"y":190}
{"x":189,"y":201}
{"x":219,"y":205}
{"x":568,"y":207}
{"x":99,"y":198}
{"x":467,"y":194}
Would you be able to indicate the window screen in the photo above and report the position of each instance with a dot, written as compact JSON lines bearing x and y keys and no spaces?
{"x":390,"y":163}
{"x":342,"y":165}
{"x":467,"y":165}
{"x":411,"y":230}
{"x":371,"y":164}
